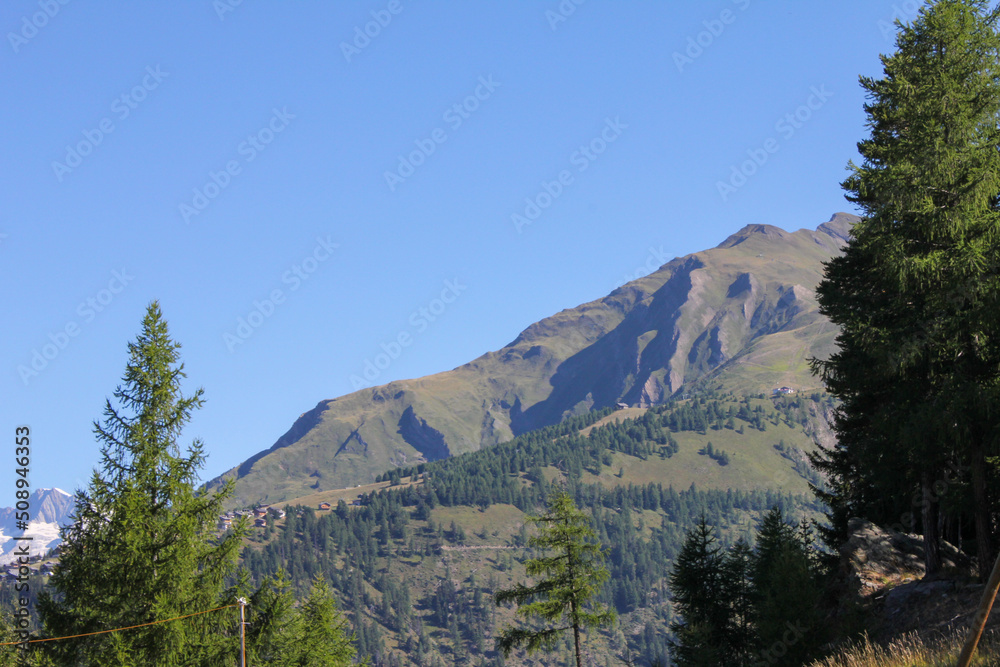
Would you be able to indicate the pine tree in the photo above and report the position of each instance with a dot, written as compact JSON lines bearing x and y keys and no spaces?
{"x":916,"y":293}
{"x":143,"y":546}
{"x":786,"y":593}
{"x":699,"y":600}
{"x":572,"y":576}
{"x":740,"y":636}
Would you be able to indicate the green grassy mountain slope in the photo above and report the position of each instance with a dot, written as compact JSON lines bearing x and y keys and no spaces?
{"x":416,"y":558}
{"x":741,"y":316}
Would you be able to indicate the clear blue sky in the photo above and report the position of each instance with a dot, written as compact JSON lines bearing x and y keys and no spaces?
{"x":212,"y":159}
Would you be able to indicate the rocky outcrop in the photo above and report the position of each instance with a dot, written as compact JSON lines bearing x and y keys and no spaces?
{"x":882,"y":572}
{"x":874,"y":558}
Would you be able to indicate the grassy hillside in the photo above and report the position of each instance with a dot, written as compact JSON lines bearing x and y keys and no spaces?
{"x":739,"y":317}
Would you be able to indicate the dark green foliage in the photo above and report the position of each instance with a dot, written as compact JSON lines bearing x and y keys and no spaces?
{"x":445,"y":621}
{"x":699,"y":600}
{"x":737,"y":573}
{"x":350,"y":546}
{"x":747,"y":606}
{"x":272,"y":624}
{"x":717,"y":455}
{"x":323,"y":641}
{"x":314,"y":543}
{"x":787,"y":593}
{"x":278,"y":634}
{"x":916,"y":292}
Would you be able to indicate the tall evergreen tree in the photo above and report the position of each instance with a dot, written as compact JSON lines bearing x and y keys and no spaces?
{"x":916,"y":293}
{"x":571,"y":576}
{"x":143,"y":547}
{"x":786,"y":593}
{"x":699,"y":600}
{"x":740,"y":638}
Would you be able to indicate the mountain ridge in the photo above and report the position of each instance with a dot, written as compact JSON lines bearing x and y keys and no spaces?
{"x":741,"y":315}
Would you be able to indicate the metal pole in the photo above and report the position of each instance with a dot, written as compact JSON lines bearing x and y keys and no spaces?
{"x":979,"y":620}
{"x":243,"y":644}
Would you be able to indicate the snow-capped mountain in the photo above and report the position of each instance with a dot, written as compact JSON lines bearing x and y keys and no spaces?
{"x":50,"y":509}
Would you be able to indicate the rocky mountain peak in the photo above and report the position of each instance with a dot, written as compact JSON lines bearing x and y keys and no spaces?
{"x":739,"y":317}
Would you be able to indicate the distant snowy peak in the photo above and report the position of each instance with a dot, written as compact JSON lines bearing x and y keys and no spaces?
{"x":48,"y":510}
{"x":45,"y":506}
{"x":55,"y":506}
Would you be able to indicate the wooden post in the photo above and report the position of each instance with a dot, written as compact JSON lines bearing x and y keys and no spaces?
{"x":243,"y":626}
{"x":979,"y":620}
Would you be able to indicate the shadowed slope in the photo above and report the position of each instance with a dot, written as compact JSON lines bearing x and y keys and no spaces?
{"x":742,"y":316}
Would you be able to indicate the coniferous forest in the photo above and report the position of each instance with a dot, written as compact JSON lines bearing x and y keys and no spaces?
{"x":458,"y":618}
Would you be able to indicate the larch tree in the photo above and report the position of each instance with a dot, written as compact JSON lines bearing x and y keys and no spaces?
{"x":571,"y":573}
{"x":143,"y":546}
{"x":324,"y":640}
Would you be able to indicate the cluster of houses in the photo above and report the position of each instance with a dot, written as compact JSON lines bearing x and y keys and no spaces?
{"x":10,"y":573}
{"x":260,"y":515}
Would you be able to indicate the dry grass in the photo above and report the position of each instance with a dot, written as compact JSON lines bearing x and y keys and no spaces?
{"x":910,"y":650}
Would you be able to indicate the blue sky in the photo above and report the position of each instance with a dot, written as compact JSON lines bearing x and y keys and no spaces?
{"x":301,"y":184}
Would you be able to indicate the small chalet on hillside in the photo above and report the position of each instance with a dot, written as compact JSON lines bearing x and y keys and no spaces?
{"x":783,"y":391}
